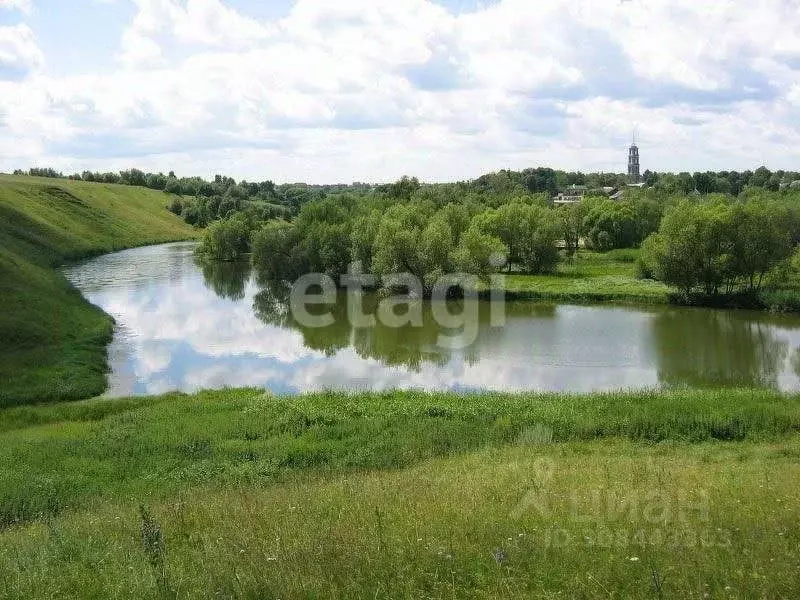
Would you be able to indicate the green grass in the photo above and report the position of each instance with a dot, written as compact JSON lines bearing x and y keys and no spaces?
{"x":405,"y":494}
{"x":589,"y":278}
{"x":611,"y":277}
{"x":53,"y":341}
{"x":60,"y":457}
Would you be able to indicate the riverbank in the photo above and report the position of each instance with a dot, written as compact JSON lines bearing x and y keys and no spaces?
{"x":590,"y":277}
{"x":405,"y":494}
{"x":54,"y":342}
{"x":612,"y":278}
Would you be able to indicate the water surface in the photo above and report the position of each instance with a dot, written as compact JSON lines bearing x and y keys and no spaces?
{"x":185,"y":326}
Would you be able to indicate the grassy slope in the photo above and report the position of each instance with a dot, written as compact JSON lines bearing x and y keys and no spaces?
{"x":53,"y":342}
{"x":403,"y":495}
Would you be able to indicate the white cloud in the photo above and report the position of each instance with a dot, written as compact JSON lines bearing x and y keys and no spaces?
{"x":23,"y":5}
{"x":19,"y":51}
{"x":202,"y":22}
{"x":373,"y":90}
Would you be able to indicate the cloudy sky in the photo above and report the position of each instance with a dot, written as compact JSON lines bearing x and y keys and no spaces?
{"x":369,"y":90}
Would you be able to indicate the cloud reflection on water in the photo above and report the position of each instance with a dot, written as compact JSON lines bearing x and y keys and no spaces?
{"x":183,"y":326}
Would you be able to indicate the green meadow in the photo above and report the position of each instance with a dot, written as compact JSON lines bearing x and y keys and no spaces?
{"x":240,"y":494}
{"x":590,"y":277}
{"x":53,"y":341}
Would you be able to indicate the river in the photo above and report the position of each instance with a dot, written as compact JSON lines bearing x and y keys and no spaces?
{"x":185,"y":326}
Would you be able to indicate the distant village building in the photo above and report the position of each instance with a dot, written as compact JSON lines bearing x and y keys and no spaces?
{"x":571,"y":195}
{"x":576,"y":193}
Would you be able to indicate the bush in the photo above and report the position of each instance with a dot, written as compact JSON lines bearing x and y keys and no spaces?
{"x":228,"y":239}
{"x":175,"y":205}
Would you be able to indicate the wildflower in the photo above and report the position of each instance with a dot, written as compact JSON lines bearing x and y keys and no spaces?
{"x":634,"y":559}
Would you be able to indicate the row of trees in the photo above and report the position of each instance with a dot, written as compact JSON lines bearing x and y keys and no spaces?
{"x":428,"y":238}
{"x":202,"y":201}
{"x":719,"y":247}
{"x":710,"y":246}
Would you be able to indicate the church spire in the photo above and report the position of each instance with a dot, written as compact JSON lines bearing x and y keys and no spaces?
{"x":633,"y":161}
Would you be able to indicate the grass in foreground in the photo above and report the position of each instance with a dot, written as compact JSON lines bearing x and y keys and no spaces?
{"x":60,"y":457}
{"x":403,"y":495}
{"x":53,"y":341}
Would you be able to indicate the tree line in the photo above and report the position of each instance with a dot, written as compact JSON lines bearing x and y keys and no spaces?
{"x":428,"y":231}
{"x":708,"y":246}
{"x":721,"y":247}
{"x":200,"y":201}
{"x":705,"y":234}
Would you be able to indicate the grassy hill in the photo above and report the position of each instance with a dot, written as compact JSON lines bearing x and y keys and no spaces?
{"x":53,"y":342}
{"x":239,"y":494}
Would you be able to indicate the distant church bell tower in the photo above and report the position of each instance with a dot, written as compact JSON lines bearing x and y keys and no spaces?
{"x":633,"y":162}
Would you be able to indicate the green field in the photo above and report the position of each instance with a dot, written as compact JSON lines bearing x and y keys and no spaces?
{"x":246,"y":495}
{"x":611,"y":277}
{"x":589,"y":278}
{"x":53,"y":341}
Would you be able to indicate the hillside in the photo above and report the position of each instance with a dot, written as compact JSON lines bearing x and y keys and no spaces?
{"x":53,"y":341}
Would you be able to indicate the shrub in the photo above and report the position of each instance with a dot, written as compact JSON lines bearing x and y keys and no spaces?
{"x":228,"y":239}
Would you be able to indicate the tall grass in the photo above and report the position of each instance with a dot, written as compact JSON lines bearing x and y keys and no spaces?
{"x":241,"y":494}
{"x":54,"y":458}
{"x":592,"y":519}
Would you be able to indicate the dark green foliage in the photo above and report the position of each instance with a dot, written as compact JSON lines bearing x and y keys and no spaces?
{"x":278,"y":253}
{"x":719,"y":247}
{"x":386,"y":237}
{"x":531,"y":234}
{"x":176,"y":205}
{"x":610,"y":224}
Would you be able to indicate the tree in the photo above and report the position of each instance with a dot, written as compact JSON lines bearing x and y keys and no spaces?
{"x":530,"y":233}
{"x":228,"y":239}
{"x":173,"y":186}
{"x":717,"y":246}
{"x":175,"y":205}
{"x":156,"y":181}
{"x":571,"y":218}
{"x":409,"y":241}
{"x":541,"y":180}
{"x":277,"y":253}
{"x":362,"y":238}
{"x":609,"y":224}
{"x":761,"y":235}
{"x":760,"y":177}
{"x":479,"y":253}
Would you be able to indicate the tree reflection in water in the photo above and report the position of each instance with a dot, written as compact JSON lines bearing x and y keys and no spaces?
{"x":227,"y":279}
{"x":708,"y":348}
{"x":687,"y":347}
{"x":410,"y":345}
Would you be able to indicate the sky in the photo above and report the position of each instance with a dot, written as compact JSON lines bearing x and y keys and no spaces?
{"x":329,"y":91}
